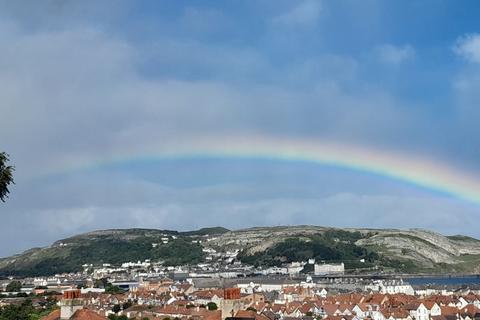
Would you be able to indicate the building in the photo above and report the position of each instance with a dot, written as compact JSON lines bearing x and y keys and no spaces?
{"x":329,"y":268}
{"x":231,"y":303}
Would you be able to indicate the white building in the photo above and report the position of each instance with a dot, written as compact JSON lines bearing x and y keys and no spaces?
{"x":390,"y":287}
{"x":419,"y":312}
{"x":329,"y":268}
{"x":295,"y":267}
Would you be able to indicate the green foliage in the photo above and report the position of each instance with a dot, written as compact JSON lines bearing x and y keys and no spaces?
{"x":404,"y":265}
{"x":206,"y":231}
{"x":101,"y":283}
{"x":110,"y":288}
{"x":308,"y":268}
{"x":107,"y":249}
{"x":179,"y":251}
{"x":6,"y":176}
{"x":459,"y":237}
{"x":126,"y":305}
{"x":212,"y":306}
{"x":26,"y":311}
{"x":332,"y":246}
{"x":342,"y":235}
{"x":116,"y":308}
{"x":14,"y":286}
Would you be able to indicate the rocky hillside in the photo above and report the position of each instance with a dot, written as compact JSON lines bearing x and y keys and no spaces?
{"x":362,"y":250}
{"x":411,"y":250}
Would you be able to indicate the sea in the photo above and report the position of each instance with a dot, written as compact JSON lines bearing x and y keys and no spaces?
{"x":448,"y":281}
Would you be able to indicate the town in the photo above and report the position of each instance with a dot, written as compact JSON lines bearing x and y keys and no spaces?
{"x":146,"y":290}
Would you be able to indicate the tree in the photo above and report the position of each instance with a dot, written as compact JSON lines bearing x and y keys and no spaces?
{"x":101,"y":283}
{"x":14,"y":286}
{"x":127,"y":305}
{"x":6,"y":176}
{"x":212,"y":306}
{"x":116,"y":308}
{"x":110,"y":288}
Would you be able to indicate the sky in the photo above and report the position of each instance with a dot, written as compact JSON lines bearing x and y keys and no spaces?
{"x":97,"y":99}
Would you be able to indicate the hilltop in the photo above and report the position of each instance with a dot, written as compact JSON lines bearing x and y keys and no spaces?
{"x":410,"y":251}
{"x":362,"y":250}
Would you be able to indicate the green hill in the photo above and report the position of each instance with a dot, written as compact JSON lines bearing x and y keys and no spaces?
{"x":109,"y":246}
{"x":362,"y":250}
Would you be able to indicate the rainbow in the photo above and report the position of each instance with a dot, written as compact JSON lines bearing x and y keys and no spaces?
{"x":415,"y":170}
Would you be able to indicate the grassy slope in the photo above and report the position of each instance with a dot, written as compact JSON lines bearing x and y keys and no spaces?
{"x":109,"y":246}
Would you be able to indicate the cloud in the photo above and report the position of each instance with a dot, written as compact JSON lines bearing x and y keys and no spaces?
{"x":388,"y":53}
{"x":88,"y":100}
{"x":468,"y":47}
{"x":79,"y":93}
{"x":175,"y":211}
{"x":304,"y":14}
{"x":466,"y":89}
{"x":186,"y":196}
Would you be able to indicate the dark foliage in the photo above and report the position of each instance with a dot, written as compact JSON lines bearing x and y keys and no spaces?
{"x":109,"y":288}
{"x":206,"y":231}
{"x":212,"y":306}
{"x":6,"y":176}
{"x":14,"y":286}
{"x":26,"y":310}
{"x":111,"y":250}
{"x":332,"y":246}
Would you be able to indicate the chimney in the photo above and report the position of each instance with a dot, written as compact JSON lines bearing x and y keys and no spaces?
{"x":231,"y":302}
{"x":71,"y":302}
{"x":231,"y":293}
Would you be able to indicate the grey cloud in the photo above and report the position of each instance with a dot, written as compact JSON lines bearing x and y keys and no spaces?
{"x":71,"y":96}
{"x":70,"y":204}
{"x":355,"y":210}
{"x":86,"y":100}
